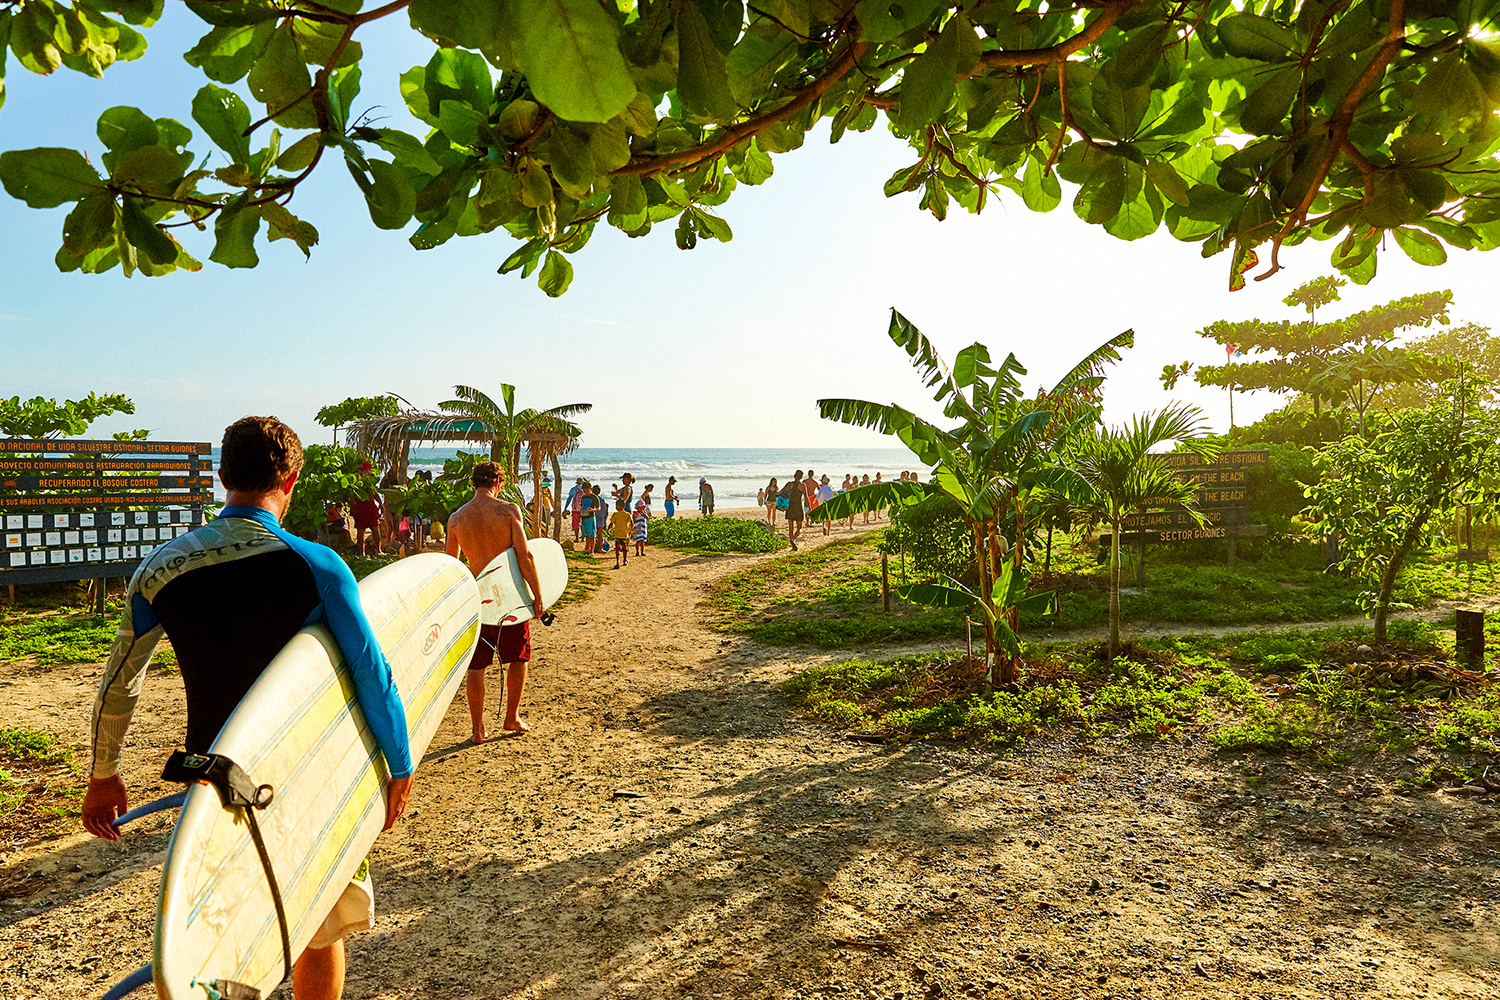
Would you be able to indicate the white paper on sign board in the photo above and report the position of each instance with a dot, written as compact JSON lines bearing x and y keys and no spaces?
{"x":93,"y":555}
{"x":59,"y":520}
{"x":57,"y":556}
{"x":140,"y":516}
{"x":114,"y":535}
{"x":85,"y":520}
{"x":14,"y":521}
{"x":130,"y":552}
{"x":117,"y":517}
{"x":70,"y":538}
{"x":111,"y":553}
{"x":18,"y":559}
{"x":163,"y":516}
{"x":148,"y":534}
{"x":33,"y":538}
{"x":75,"y":555}
{"x":91,"y":538}
{"x":54,"y":538}
{"x":33,"y":520}
{"x":13,"y":541}
{"x":132,"y":534}
{"x":38,"y":558}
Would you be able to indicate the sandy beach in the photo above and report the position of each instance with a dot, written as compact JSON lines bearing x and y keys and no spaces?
{"x":670,"y":829}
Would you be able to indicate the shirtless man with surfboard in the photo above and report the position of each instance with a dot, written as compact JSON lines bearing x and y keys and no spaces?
{"x":479,"y":531}
{"x":230,"y":595}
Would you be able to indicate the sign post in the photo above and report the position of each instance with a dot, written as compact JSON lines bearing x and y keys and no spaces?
{"x":1220,"y":495}
{"x":89,"y":510}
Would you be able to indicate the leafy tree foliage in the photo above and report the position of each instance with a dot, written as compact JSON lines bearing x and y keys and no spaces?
{"x":1346,"y":361}
{"x":1240,"y":125}
{"x":330,"y":474}
{"x":354,"y":408}
{"x":1470,"y":349}
{"x":1002,"y":448}
{"x":38,"y":418}
{"x":1378,"y":494}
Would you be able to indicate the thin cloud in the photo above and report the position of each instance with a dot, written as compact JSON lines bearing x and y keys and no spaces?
{"x":15,"y":319}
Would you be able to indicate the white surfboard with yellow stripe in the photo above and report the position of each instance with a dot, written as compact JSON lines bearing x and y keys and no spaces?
{"x":300,"y":730}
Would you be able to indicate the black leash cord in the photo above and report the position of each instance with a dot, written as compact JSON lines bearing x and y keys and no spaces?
{"x":237,"y":791}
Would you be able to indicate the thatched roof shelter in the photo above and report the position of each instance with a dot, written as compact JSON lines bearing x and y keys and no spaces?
{"x":388,"y":440}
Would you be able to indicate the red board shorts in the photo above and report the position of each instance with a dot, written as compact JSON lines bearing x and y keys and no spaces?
{"x":503,"y":644}
{"x":366,"y":515}
{"x":577,"y":520}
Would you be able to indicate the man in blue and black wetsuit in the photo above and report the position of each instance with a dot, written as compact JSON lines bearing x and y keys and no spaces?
{"x":229,"y":595}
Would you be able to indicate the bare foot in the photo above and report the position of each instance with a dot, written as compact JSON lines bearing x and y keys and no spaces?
{"x":480,"y":737}
{"x":515,"y":726}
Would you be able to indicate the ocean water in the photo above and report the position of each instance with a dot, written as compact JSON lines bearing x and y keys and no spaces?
{"x":734,"y":473}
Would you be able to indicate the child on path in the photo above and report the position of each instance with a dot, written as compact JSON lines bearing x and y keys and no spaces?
{"x":638,"y":528}
{"x":588,"y":508}
{"x":619,"y":522}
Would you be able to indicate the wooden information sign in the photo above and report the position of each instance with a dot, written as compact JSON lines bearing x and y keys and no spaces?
{"x":79,"y":510}
{"x":1220,"y":496}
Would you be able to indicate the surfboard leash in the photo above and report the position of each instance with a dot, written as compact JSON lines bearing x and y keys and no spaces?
{"x":237,"y":791}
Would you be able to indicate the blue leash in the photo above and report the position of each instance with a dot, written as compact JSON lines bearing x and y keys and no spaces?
{"x":140,"y":977}
{"x":173,"y":801}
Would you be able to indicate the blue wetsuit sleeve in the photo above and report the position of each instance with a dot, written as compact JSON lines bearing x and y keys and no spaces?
{"x":374,"y":686}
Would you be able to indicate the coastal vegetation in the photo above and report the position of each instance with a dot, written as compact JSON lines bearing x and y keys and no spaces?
{"x":713,"y":534}
{"x":1002,"y":448}
{"x":1318,"y":693}
{"x":1240,"y":127}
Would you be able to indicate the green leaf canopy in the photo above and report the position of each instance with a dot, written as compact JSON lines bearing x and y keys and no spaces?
{"x":1243,"y":127}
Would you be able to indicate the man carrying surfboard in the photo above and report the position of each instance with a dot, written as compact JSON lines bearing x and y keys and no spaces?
{"x":230,"y":595}
{"x":478,"y":532}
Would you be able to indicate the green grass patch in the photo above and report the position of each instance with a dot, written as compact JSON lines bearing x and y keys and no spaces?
{"x":713,"y":534}
{"x":1310,"y":693}
{"x":829,"y":597}
{"x":585,"y":575}
{"x":57,"y":638}
{"x":21,"y":744}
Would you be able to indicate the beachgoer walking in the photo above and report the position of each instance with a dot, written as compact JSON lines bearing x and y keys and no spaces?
{"x":260,"y":584}
{"x":760,"y":497}
{"x":638,"y":528}
{"x":669,"y":504}
{"x":772,"y":503}
{"x":601,"y":520}
{"x":646,"y":497}
{"x":575,"y":505}
{"x":877,"y":482}
{"x":589,"y":508}
{"x":794,"y":495}
{"x":619,"y":523}
{"x":478,"y":532}
{"x":866,"y":482}
{"x":825,"y":494}
{"x":626,"y":490}
{"x":365,"y":509}
{"x":705,"y":498}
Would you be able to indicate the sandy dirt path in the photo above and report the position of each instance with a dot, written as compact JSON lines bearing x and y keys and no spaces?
{"x":671,"y":829}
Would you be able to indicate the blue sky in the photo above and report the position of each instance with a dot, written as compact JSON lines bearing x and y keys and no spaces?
{"x":728,"y":345}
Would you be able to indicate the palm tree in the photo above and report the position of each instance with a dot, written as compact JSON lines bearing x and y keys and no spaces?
{"x":1123,"y":476}
{"x":507,"y":424}
{"x":1003,"y":447}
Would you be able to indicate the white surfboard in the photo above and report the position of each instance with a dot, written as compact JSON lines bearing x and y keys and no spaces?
{"x":300,"y":729}
{"x":505,"y":598}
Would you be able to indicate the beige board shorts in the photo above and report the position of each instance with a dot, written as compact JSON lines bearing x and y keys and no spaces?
{"x":355,"y":910}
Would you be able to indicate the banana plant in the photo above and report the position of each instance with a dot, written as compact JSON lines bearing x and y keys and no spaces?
{"x":1000,"y":448}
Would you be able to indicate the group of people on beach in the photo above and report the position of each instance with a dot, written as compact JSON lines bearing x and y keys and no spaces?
{"x":807,"y":491}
